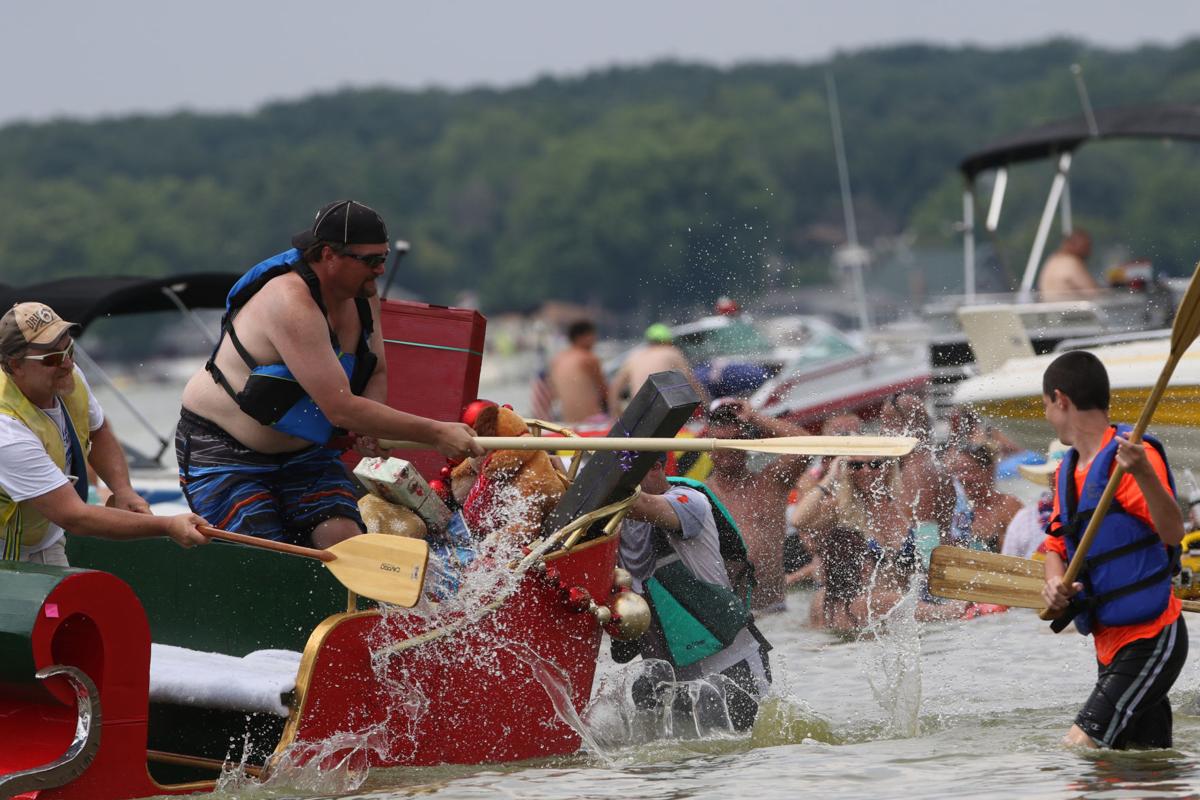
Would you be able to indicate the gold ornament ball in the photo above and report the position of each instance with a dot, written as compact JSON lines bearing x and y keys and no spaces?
{"x":633,"y":615}
{"x":603,"y":614}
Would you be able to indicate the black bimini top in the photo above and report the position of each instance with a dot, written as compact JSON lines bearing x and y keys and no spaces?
{"x":85,"y":299}
{"x":1047,"y":141}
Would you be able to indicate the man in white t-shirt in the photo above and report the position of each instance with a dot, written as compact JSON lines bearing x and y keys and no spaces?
{"x":51,"y":429}
{"x":669,"y":524}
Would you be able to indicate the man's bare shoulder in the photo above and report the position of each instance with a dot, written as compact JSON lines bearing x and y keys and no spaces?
{"x":572,"y":358}
{"x":286,"y":296}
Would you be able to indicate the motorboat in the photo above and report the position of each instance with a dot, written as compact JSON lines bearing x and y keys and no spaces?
{"x":797,"y":366}
{"x":1136,"y":302}
{"x":1010,"y":397}
{"x":823,"y":371}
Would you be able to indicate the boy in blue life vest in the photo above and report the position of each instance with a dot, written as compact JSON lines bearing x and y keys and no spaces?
{"x":1124,"y":597}
{"x":693,"y":571}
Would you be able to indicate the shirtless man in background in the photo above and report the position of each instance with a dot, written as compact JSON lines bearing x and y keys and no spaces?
{"x":576,"y":377}
{"x":755,"y":499}
{"x":1065,"y":273}
{"x":300,"y":355}
{"x":658,"y":354}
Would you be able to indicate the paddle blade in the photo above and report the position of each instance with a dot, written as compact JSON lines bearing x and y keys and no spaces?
{"x":390,"y":569}
{"x":860,"y":446}
{"x":1187,"y":317}
{"x":961,"y":574}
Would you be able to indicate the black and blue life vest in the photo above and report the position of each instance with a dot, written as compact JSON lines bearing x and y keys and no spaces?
{"x":698,"y":619}
{"x":1126,"y":574}
{"x":272,"y":396}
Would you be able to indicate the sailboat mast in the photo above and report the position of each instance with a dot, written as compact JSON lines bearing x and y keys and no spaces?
{"x":855,"y":260}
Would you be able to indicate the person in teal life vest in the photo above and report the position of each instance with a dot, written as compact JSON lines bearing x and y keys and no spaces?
{"x":1124,"y":598}
{"x":300,"y":359}
{"x":51,"y":429}
{"x":689,"y":562}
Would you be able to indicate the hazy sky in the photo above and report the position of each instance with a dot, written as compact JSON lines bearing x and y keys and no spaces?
{"x":119,"y":56}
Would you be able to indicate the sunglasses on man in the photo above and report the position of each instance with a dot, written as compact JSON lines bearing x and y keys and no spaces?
{"x":371,"y":260}
{"x":56,"y":358}
{"x":872,"y":464}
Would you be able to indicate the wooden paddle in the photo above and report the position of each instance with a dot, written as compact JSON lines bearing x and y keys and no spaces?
{"x":1183,"y":333}
{"x":390,"y":569}
{"x":864,"y":446}
{"x":962,"y":574}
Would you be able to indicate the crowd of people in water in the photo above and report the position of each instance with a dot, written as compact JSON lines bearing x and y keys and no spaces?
{"x":859,"y":531}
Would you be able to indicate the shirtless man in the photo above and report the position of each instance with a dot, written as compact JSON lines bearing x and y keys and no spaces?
{"x":300,"y":355}
{"x":658,"y":354}
{"x":1065,"y":273}
{"x":755,"y":499}
{"x":576,"y":378}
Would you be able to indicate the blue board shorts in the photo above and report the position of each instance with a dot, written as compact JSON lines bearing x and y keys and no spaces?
{"x":278,"y":496}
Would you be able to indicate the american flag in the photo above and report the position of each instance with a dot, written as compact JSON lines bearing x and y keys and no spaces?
{"x":541,"y":403}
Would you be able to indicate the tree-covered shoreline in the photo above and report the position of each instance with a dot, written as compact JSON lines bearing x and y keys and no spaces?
{"x":653,"y":188}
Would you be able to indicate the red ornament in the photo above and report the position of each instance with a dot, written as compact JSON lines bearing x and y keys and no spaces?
{"x":578,"y":598}
{"x":471,"y":412}
{"x":439,"y":487}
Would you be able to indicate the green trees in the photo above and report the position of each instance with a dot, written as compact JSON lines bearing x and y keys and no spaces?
{"x":655,"y":187}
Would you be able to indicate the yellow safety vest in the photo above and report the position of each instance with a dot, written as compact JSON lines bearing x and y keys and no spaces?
{"x":21,"y":523}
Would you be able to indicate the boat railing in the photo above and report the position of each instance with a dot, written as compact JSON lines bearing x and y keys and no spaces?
{"x":1081,"y":342}
{"x":1106,"y":309}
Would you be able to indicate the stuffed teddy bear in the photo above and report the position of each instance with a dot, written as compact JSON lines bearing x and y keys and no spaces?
{"x":380,"y":516}
{"x":510,"y":491}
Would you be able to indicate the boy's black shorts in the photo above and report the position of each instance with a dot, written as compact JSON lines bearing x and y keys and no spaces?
{"x":1129,"y":706}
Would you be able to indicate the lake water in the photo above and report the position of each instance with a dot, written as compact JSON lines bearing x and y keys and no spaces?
{"x":959,"y":709}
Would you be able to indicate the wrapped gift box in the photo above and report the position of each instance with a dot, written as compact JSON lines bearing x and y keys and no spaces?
{"x":399,"y":482}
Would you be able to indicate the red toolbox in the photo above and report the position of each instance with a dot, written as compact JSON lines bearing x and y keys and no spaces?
{"x":433,"y":358}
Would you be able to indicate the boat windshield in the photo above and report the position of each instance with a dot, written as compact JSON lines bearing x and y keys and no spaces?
{"x":737,"y":338}
{"x":821,"y":348}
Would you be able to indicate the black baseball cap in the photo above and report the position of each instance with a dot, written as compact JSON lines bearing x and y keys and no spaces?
{"x":343,"y":222}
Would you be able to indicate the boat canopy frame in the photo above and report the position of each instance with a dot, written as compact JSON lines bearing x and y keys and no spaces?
{"x":84,"y":299}
{"x":1058,"y":140}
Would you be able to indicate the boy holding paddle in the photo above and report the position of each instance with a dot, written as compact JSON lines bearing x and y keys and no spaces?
{"x":1123,"y":597}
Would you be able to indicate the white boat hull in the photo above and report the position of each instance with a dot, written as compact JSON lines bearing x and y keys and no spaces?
{"x":1011,"y":397}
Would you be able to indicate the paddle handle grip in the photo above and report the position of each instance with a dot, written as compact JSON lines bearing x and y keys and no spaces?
{"x":267,"y":544}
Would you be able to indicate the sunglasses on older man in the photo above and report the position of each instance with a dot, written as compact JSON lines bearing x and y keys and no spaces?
{"x":873,"y":464}
{"x":56,"y":358}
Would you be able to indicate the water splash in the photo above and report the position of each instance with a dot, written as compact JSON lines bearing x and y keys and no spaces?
{"x":335,"y":765}
{"x":642,"y":703}
{"x":892,"y":662}
{"x":557,"y":684}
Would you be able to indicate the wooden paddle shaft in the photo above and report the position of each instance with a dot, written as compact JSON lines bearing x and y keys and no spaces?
{"x":267,"y":544}
{"x":884,"y":446}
